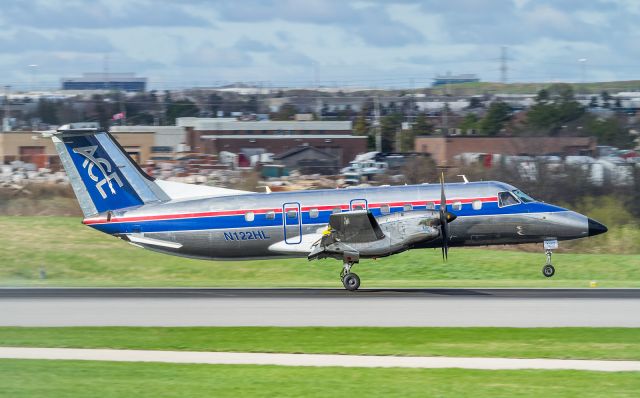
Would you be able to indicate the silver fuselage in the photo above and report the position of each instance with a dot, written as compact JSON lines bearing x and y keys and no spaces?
{"x":244,"y":226}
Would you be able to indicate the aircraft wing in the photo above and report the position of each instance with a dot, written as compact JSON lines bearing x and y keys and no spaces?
{"x":303,"y":248}
{"x":352,"y":227}
{"x":355,"y":227}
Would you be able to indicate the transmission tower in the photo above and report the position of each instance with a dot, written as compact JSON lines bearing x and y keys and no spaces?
{"x":503,"y":64}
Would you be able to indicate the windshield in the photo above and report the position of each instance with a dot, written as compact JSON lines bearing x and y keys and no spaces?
{"x":523,"y":196}
{"x":507,"y":199}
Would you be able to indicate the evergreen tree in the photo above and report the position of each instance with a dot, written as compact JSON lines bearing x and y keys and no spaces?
{"x":497,"y":115}
{"x":181,"y":108}
{"x":360,"y":126}
{"x":421,"y":126}
{"x":553,"y":109}
{"x":389,"y":126}
{"x":470,"y":122}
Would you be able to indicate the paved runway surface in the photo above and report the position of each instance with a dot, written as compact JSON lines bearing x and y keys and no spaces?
{"x":361,"y":361}
{"x":320,"y":307}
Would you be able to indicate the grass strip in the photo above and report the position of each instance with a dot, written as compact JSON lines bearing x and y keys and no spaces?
{"x":52,"y":379}
{"x":561,"y":343}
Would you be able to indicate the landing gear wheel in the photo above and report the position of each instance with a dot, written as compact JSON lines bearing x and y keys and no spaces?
{"x":351,"y":282}
{"x":548,"y":270}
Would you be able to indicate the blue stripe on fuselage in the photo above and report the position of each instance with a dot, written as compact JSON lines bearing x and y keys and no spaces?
{"x":260,"y":220}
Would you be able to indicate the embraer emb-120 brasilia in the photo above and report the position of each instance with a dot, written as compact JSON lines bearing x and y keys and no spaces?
{"x":204,"y":222}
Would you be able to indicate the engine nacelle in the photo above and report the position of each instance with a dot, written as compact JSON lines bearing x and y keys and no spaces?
{"x":397,"y":232}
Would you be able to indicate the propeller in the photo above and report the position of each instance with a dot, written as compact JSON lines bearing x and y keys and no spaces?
{"x":445,"y":219}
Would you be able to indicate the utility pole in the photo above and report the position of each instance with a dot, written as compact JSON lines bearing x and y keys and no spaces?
{"x":7,"y":110}
{"x":503,"y":64}
{"x":376,"y":110}
{"x":412,"y":102}
{"x":445,"y":119}
{"x":32,"y":69}
{"x":106,"y":72}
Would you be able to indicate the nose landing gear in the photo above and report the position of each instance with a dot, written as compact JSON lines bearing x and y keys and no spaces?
{"x":548,"y":270}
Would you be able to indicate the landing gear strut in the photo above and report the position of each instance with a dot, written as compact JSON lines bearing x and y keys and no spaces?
{"x":350,"y":280}
{"x":548,"y":270}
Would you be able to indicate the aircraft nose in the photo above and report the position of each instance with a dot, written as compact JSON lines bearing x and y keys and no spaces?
{"x":596,"y":228}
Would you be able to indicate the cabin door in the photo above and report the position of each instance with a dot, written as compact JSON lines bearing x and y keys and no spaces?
{"x":292,"y":223}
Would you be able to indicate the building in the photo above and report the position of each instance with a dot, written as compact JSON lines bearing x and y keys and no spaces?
{"x":31,"y":147}
{"x":444,"y":149}
{"x":28,"y":147}
{"x":309,"y":160}
{"x":167,"y":140}
{"x":211,"y":135}
{"x":442,"y":80}
{"x":106,"y":81}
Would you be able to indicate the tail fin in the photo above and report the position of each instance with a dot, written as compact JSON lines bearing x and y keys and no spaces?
{"x":102,"y":174}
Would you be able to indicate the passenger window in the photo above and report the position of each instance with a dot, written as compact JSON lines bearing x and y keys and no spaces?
{"x":407,"y":207}
{"x":292,"y":213}
{"x":271,"y":215}
{"x":457,"y":206}
{"x":476,"y":204}
{"x":313,"y":213}
{"x":249,"y":216}
{"x":336,"y":210}
{"x":430,"y":206}
{"x":507,"y":199}
{"x":358,"y":207}
{"x":385,"y":209}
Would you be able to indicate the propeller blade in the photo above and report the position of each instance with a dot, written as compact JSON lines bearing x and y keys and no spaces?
{"x":444,"y":215}
{"x":443,"y":199}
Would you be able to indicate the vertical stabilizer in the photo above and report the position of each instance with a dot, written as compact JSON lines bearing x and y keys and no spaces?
{"x":102,"y":174}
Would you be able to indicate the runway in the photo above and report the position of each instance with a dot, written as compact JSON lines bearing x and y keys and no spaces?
{"x":320,"y":307}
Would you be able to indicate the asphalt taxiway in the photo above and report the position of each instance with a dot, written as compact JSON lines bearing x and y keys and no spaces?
{"x":319,"y":307}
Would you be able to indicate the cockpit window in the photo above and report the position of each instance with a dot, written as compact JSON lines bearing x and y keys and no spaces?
{"x":507,"y":199}
{"x":524,"y":198}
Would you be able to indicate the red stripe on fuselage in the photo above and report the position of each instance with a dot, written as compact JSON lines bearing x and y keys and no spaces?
{"x":223,"y":213}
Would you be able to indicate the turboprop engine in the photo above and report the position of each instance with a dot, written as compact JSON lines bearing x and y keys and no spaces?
{"x":357,"y":234}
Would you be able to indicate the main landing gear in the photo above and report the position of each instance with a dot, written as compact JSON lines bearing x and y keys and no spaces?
{"x":350,"y":280}
{"x":548,"y":270}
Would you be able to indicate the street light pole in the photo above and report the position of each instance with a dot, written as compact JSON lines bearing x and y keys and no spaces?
{"x":32,"y":83}
{"x":583,"y":69}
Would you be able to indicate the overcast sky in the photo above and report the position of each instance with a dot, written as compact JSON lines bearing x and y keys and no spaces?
{"x":328,"y":42}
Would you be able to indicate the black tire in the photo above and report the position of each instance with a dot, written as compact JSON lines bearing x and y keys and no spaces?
{"x":351,"y":282}
{"x":548,"y":270}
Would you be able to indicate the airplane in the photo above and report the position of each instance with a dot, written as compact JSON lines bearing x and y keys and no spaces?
{"x":118,"y":198}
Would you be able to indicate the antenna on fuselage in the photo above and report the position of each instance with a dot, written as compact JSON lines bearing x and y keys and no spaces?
{"x":464,"y":178}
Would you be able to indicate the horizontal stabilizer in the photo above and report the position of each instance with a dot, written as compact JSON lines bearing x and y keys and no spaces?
{"x":178,"y":190}
{"x":153,"y":242}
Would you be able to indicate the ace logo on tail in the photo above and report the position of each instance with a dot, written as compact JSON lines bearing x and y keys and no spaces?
{"x":103,"y":165}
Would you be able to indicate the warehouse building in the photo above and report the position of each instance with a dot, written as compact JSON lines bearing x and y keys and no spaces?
{"x":211,"y":135}
{"x":444,"y":149}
